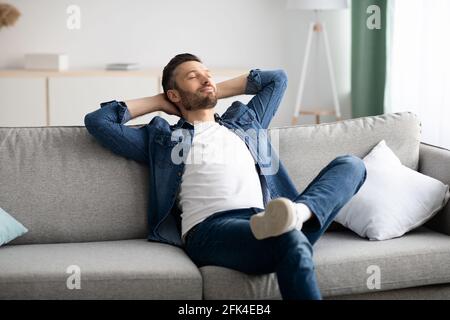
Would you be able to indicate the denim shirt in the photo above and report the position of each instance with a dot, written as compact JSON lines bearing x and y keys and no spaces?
{"x":164,"y":148}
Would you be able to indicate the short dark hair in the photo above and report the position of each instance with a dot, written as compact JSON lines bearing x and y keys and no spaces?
{"x":168,"y":81}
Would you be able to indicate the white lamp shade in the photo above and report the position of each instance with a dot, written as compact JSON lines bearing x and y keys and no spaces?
{"x":317,"y":4}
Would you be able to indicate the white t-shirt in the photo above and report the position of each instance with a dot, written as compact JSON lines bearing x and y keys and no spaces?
{"x":220,"y":174}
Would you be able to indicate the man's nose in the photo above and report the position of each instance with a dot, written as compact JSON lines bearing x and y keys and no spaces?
{"x":205,"y":80}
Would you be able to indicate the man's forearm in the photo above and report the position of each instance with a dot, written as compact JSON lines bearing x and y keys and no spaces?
{"x":141,"y":106}
{"x":232,"y":87}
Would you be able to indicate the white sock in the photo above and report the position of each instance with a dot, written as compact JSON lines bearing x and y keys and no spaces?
{"x":303,"y":214}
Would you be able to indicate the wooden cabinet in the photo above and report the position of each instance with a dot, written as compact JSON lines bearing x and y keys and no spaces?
{"x":22,"y":102}
{"x":38,"y":98}
{"x":71,"y":98}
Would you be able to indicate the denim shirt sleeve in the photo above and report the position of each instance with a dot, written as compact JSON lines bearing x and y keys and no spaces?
{"x":107,"y":125}
{"x":268,"y":87}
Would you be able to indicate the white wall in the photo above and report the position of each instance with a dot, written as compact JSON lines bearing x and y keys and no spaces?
{"x":230,"y":34}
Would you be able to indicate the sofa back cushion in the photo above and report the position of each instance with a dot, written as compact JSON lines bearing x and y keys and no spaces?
{"x":65,"y":187}
{"x":306,"y":149}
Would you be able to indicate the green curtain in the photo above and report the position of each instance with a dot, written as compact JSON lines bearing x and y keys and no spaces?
{"x":368,"y":59}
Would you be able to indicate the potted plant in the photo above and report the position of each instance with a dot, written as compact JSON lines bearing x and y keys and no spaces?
{"x":8,"y":15}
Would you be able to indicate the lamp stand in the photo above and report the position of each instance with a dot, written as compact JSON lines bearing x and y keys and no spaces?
{"x":316,"y":27}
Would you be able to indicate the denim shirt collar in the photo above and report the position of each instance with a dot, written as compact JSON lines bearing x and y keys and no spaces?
{"x":183,"y":123}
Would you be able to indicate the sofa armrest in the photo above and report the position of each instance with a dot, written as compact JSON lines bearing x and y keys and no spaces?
{"x":435,"y":162}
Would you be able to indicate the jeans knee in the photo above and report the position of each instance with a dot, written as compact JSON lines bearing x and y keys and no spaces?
{"x":355,"y":165}
{"x":294,"y":241}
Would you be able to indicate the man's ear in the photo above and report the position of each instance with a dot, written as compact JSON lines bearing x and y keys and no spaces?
{"x":173,"y":96}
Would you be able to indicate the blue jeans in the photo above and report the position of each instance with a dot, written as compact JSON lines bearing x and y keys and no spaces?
{"x":225,"y":238}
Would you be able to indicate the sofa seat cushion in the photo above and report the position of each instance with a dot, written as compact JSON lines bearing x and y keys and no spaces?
{"x":342,"y":259}
{"x":126,"y":269}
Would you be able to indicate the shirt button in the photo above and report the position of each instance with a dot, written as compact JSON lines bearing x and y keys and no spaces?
{"x":179,"y":173}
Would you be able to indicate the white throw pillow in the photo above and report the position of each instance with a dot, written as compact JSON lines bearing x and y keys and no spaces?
{"x":394,"y":198}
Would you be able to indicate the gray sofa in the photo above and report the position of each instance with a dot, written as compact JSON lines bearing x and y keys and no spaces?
{"x":85,"y":206}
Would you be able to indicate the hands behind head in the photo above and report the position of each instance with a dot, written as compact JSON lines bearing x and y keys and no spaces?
{"x":167,"y":106}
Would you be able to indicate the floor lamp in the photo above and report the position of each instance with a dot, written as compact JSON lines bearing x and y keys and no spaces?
{"x":315,"y":28}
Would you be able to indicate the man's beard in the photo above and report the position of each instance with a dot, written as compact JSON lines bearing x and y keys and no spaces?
{"x":197,"y":101}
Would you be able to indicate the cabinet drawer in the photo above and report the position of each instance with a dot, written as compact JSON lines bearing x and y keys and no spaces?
{"x":22,"y":102}
{"x":71,"y":98}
